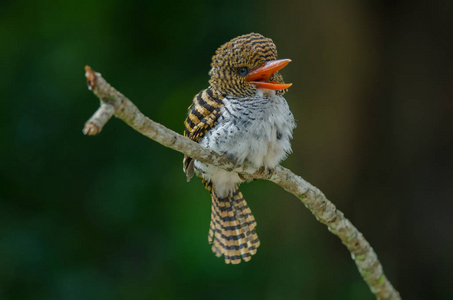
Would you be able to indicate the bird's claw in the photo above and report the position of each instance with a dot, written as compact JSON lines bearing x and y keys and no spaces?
{"x":266,"y":171}
{"x":242,"y":177}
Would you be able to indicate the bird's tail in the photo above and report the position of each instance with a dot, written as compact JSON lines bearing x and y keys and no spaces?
{"x":232,"y":228}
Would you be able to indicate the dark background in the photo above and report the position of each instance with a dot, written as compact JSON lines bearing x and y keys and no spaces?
{"x":112,"y":216}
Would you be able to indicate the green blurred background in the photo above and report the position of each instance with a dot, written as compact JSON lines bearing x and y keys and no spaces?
{"x":112,"y":216}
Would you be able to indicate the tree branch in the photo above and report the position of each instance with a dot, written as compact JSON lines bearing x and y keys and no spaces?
{"x":115,"y":103}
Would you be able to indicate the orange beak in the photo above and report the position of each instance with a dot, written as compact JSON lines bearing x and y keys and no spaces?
{"x":260,"y":77}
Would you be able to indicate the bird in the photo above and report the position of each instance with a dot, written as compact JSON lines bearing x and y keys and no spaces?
{"x":243,"y":115}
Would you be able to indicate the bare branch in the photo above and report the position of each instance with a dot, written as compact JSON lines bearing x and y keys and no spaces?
{"x":115,"y":103}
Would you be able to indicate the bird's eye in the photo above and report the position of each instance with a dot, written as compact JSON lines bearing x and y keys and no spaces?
{"x":243,"y":71}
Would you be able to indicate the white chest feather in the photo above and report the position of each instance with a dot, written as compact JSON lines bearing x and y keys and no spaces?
{"x":257,"y":130}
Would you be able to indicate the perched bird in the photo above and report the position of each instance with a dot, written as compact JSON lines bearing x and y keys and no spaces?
{"x":243,"y":115}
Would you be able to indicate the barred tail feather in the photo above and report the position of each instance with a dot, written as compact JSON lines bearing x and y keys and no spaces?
{"x":232,"y":228}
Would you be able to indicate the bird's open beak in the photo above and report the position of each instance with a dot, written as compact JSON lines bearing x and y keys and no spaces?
{"x":260,"y":77}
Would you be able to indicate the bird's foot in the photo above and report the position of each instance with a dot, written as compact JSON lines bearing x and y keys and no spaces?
{"x":266,"y":171}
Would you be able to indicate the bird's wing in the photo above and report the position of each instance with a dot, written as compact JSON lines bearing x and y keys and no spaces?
{"x":203,"y":115}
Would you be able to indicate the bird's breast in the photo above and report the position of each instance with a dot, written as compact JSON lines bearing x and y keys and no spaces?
{"x":256,"y":129}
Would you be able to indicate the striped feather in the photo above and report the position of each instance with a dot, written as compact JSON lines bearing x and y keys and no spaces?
{"x":232,"y":228}
{"x":203,"y":114}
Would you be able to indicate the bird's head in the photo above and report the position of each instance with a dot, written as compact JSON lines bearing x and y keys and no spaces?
{"x":245,"y":64}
